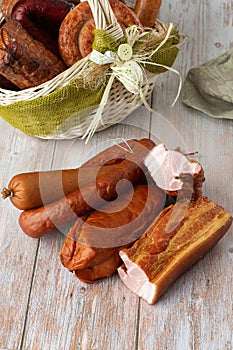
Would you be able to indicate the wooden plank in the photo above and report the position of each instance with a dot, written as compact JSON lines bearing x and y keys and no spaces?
{"x":69,"y":313}
{"x":196,"y":312}
{"x":18,"y":153}
{"x":43,"y":303}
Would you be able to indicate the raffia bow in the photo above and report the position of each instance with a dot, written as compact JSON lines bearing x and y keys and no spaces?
{"x":152,"y":50}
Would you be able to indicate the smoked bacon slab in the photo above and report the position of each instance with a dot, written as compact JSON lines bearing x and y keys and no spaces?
{"x":181,"y":235}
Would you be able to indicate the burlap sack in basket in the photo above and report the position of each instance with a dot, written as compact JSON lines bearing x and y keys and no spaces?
{"x":65,"y":106}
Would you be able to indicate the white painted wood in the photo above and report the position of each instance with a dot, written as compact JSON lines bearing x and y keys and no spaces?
{"x":196,"y":312}
{"x":44,"y":307}
{"x":18,"y":153}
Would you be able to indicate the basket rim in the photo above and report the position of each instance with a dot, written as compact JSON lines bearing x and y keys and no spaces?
{"x":61,"y":80}
{"x":9,"y":97}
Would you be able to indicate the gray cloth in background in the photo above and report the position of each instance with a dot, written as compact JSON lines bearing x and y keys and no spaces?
{"x":209,"y":87}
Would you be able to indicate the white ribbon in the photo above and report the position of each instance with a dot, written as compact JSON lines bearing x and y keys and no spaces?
{"x":130,"y":73}
{"x":100,"y":58}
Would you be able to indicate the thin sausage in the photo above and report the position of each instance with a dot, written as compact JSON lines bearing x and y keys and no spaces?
{"x":74,"y":46}
{"x":68,"y":42}
{"x":86,"y":37}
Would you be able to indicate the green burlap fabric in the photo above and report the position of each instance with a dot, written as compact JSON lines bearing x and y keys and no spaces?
{"x":69,"y":106}
{"x":209,"y":87}
{"x":42,"y":116}
{"x":166,"y":55}
{"x":104,"y":42}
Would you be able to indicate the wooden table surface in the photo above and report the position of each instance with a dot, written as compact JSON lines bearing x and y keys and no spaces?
{"x":44,"y":307}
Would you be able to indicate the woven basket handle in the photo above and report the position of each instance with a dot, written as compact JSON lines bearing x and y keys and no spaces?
{"x":104,"y":18}
{"x":1,"y":16}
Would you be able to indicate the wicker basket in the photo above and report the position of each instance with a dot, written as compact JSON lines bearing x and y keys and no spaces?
{"x":120,"y":103}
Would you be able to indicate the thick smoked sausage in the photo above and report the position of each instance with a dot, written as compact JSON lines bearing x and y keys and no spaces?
{"x":37,"y":222}
{"x":42,"y":19}
{"x":34,"y":189}
{"x":91,"y":247}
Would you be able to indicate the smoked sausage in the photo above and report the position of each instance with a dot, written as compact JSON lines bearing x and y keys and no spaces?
{"x":6,"y":84}
{"x":92,"y":246}
{"x":34,"y":189}
{"x":37,"y":222}
{"x":7,"y":6}
{"x":114,"y":153}
{"x":42,"y":19}
{"x":147,"y":11}
{"x":25,"y":61}
{"x":76,"y":32}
